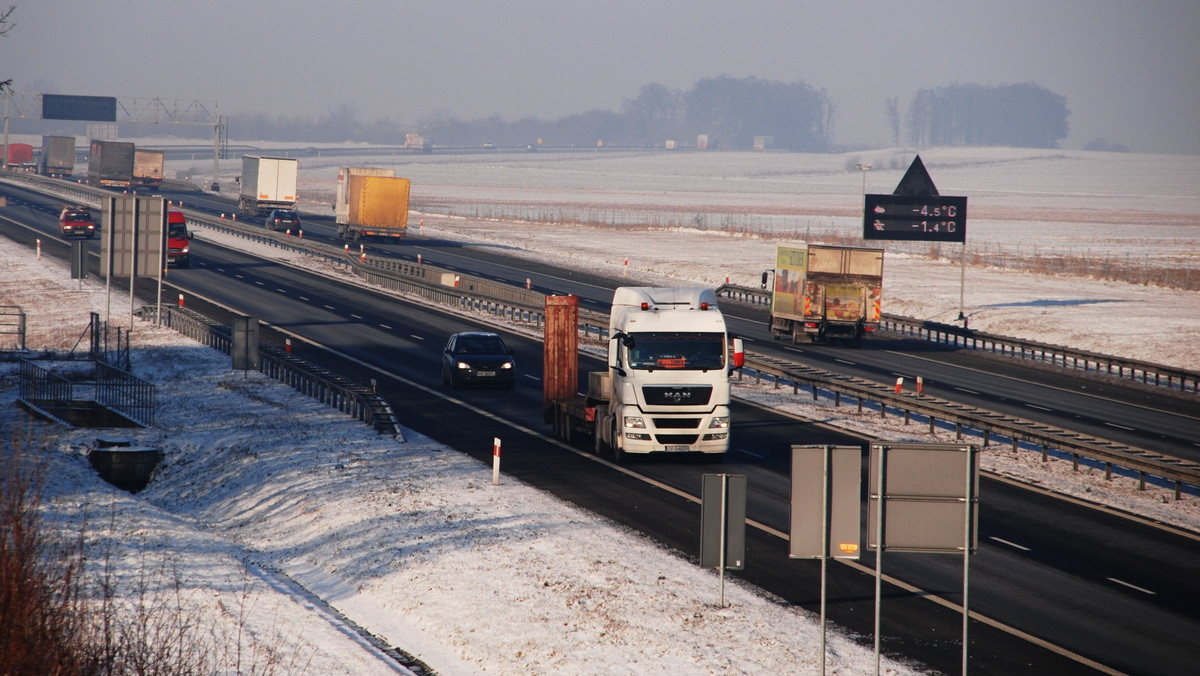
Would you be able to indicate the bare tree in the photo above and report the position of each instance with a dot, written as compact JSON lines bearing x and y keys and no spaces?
{"x":6,"y":25}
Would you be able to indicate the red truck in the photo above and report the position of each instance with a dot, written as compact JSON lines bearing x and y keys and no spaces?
{"x":178,"y":239}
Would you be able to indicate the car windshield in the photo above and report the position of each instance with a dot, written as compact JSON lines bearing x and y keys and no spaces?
{"x":77,"y":216}
{"x":285,"y":215}
{"x":669,"y":350}
{"x":480,"y":345}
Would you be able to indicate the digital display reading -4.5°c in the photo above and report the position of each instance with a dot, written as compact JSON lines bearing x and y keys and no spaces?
{"x":923,"y":218}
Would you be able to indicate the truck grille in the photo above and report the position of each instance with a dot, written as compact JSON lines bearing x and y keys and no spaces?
{"x":676,"y":423}
{"x":683,"y":395}
{"x":676,"y":439}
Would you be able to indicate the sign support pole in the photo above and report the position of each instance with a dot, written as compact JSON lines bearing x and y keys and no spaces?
{"x":962,"y":285}
{"x":724,"y":518}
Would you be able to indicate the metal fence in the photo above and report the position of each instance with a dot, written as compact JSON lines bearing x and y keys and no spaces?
{"x":332,"y":390}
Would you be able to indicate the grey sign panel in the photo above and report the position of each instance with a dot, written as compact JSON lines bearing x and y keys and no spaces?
{"x":117,"y":228}
{"x":78,"y":260}
{"x":930,"y":497}
{"x":85,"y":108}
{"x":734,"y":509}
{"x":151,"y":235}
{"x":826,"y":490}
{"x":245,"y":343}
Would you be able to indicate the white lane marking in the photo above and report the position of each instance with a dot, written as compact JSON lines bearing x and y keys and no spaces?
{"x":281,"y":290}
{"x":1010,"y":544}
{"x":851,"y":363}
{"x":355,"y":316}
{"x":302,"y":298}
{"x":385,"y":326}
{"x":330,"y":307}
{"x":1040,"y":408}
{"x":1120,"y":427}
{"x":753,"y":455}
{"x":1132,"y":586}
{"x":963,"y":389}
{"x":416,"y":337}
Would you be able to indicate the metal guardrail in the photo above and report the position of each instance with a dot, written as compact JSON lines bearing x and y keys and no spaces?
{"x":987,"y":423}
{"x":476,"y":293}
{"x":515,"y":304}
{"x":309,"y":379}
{"x":949,"y":334}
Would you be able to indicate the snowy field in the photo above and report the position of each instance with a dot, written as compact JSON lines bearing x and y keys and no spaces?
{"x":412,"y":542}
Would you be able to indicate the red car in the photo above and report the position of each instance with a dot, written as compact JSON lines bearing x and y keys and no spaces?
{"x":76,"y":222}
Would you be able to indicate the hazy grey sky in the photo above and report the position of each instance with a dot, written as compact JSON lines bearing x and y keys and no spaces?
{"x":1130,"y":70}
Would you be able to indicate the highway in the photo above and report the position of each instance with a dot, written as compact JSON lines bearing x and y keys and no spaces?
{"x":1119,"y":592}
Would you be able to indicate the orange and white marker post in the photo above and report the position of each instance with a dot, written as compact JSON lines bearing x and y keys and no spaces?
{"x":181,"y":300}
{"x":39,"y":248}
{"x":920,"y":386}
{"x":496,"y":461}
{"x":899,"y":384}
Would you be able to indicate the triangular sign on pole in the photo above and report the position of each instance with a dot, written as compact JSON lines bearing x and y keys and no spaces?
{"x":916,"y":180}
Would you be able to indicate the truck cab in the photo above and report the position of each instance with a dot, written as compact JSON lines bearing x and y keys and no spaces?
{"x":669,"y":362}
{"x":179,"y":240}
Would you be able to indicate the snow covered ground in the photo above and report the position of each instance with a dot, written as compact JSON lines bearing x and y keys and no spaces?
{"x":412,"y":542}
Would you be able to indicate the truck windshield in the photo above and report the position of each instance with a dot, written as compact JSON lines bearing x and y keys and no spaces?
{"x":664,"y":350}
{"x":177,"y":231}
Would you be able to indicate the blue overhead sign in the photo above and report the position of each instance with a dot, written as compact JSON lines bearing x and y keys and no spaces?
{"x":85,"y":108}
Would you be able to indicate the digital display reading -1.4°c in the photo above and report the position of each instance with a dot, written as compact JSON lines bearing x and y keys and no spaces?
{"x":923,"y":218}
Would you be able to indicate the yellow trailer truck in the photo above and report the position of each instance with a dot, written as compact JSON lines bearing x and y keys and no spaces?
{"x":371,"y":203}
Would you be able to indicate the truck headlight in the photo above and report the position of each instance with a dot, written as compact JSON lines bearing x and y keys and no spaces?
{"x":719,"y":421}
{"x":634,"y":422}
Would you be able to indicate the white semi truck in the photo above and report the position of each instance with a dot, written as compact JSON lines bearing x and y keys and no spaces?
{"x":666,"y":388}
{"x":267,"y":183}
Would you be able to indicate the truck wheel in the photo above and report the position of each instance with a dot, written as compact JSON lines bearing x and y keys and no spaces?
{"x":599,"y":446}
{"x":618,"y":453}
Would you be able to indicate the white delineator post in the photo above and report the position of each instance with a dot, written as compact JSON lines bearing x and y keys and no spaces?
{"x":496,"y":461}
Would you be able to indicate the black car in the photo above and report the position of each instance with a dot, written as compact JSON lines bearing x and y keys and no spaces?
{"x":478,"y":357}
{"x":283,"y":219}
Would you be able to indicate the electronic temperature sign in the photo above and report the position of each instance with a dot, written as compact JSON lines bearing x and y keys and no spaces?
{"x":923,"y":218}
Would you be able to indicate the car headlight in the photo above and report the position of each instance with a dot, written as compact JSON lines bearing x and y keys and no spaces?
{"x":462,"y":365}
{"x":721,"y":421}
{"x":506,"y":365}
{"x":634,"y":422}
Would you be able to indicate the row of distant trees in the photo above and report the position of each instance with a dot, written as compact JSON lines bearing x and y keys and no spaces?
{"x":732,"y":112}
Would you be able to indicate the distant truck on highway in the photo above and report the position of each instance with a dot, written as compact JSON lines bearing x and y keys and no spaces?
{"x":267,"y":183}
{"x":110,"y":164}
{"x":371,"y":203}
{"x":58,"y":156}
{"x":19,"y":156}
{"x":147,"y":168}
{"x":666,"y":387}
{"x":824,"y":292}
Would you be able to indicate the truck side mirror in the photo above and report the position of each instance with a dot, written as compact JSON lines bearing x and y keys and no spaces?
{"x":614,"y":354}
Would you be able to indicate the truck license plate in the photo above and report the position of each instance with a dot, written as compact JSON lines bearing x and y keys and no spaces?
{"x":679,"y":448}
{"x":486,"y":374}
